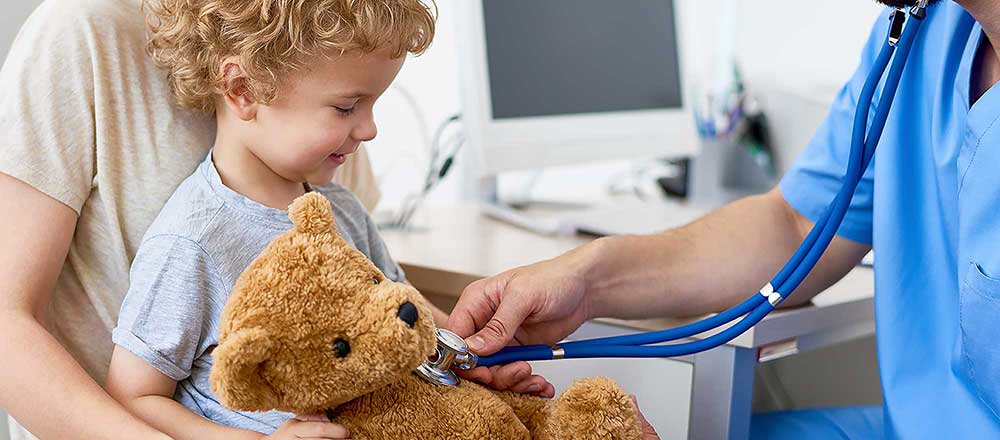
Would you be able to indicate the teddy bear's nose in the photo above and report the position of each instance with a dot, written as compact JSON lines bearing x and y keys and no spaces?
{"x":408,"y":313}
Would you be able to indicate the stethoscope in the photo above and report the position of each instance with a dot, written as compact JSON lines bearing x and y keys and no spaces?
{"x":453,"y":352}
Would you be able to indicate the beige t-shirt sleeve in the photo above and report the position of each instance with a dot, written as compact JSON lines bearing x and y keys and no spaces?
{"x":47,"y":124}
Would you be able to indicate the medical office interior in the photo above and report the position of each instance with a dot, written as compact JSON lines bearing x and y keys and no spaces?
{"x":740,"y":87}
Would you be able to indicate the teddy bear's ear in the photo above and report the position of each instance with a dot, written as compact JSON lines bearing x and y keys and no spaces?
{"x":312,"y":214}
{"x":236,"y":376}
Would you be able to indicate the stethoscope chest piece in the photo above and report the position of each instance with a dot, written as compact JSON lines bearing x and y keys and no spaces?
{"x":451,"y":350}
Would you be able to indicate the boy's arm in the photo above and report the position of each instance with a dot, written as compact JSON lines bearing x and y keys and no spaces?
{"x":174,"y":293}
{"x":148,"y":394}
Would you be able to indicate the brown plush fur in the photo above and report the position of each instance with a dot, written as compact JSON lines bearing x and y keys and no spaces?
{"x":309,"y":289}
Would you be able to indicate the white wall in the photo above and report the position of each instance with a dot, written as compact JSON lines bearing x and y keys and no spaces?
{"x":13,"y":14}
{"x":818,"y":44}
{"x":795,"y":58}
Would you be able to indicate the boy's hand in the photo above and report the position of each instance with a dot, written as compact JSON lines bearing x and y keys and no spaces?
{"x":312,"y":426}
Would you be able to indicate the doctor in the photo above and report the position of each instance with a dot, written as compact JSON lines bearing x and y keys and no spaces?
{"x":929,"y":205}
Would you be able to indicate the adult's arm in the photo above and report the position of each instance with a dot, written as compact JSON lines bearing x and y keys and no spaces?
{"x":43,"y":387}
{"x":708,"y":265}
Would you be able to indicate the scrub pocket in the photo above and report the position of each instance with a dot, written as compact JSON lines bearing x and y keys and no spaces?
{"x":980,"y":321}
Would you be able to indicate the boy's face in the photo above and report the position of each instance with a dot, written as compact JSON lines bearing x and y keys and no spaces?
{"x":321,"y":115}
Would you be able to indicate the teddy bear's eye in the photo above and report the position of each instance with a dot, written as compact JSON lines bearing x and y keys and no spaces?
{"x":375,"y":280}
{"x":341,"y":348}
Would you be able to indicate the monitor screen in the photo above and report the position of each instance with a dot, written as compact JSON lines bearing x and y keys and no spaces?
{"x":558,"y":57}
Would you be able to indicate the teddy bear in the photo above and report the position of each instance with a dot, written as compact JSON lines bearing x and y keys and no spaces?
{"x":312,"y":326}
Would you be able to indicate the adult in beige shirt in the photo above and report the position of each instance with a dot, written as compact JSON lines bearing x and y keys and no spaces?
{"x":91,"y":146}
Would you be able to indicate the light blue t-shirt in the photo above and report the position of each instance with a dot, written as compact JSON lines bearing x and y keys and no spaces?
{"x":930,"y":206}
{"x":185,"y":268}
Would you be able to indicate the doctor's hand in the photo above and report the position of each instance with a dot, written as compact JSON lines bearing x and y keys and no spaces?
{"x":515,"y":376}
{"x":537,"y":304}
{"x":648,"y":433}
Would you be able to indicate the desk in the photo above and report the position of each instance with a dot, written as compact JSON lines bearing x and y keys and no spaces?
{"x":451,"y":247}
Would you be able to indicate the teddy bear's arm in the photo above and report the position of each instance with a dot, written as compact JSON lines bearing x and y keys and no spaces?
{"x":534,"y":412}
{"x":594,"y":408}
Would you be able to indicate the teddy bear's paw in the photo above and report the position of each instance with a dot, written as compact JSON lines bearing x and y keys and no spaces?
{"x":597,"y":408}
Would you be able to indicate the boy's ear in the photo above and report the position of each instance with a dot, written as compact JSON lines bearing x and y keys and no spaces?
{"x":235,"y":90}
{"x":237,"y":374}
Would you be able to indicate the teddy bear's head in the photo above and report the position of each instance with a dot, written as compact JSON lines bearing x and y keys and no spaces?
{"x":312,"y":323}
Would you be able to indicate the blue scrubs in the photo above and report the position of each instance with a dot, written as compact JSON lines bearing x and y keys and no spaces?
{"x":930,"y":206}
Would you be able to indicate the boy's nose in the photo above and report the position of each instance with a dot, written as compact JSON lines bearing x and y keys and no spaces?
{"x":408,"y":313}
{"x":365,"y":131}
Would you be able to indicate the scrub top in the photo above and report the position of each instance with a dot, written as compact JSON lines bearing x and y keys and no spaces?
{"x":930,"y":206}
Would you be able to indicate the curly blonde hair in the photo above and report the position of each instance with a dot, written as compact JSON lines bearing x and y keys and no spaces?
{"x":191,"y":38}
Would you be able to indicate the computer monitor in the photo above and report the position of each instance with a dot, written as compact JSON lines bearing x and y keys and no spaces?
{"x":557,"y":82}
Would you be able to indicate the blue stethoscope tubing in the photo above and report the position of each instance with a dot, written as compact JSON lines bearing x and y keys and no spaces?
{"x":754,"y":308}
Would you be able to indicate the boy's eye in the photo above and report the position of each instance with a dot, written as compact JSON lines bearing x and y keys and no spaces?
{"x":345,"y":111}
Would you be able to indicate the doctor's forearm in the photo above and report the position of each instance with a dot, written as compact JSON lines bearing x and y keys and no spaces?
{"x":710,"y":264}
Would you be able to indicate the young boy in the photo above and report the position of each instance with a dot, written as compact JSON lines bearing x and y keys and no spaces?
{"x":292,"y":84}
